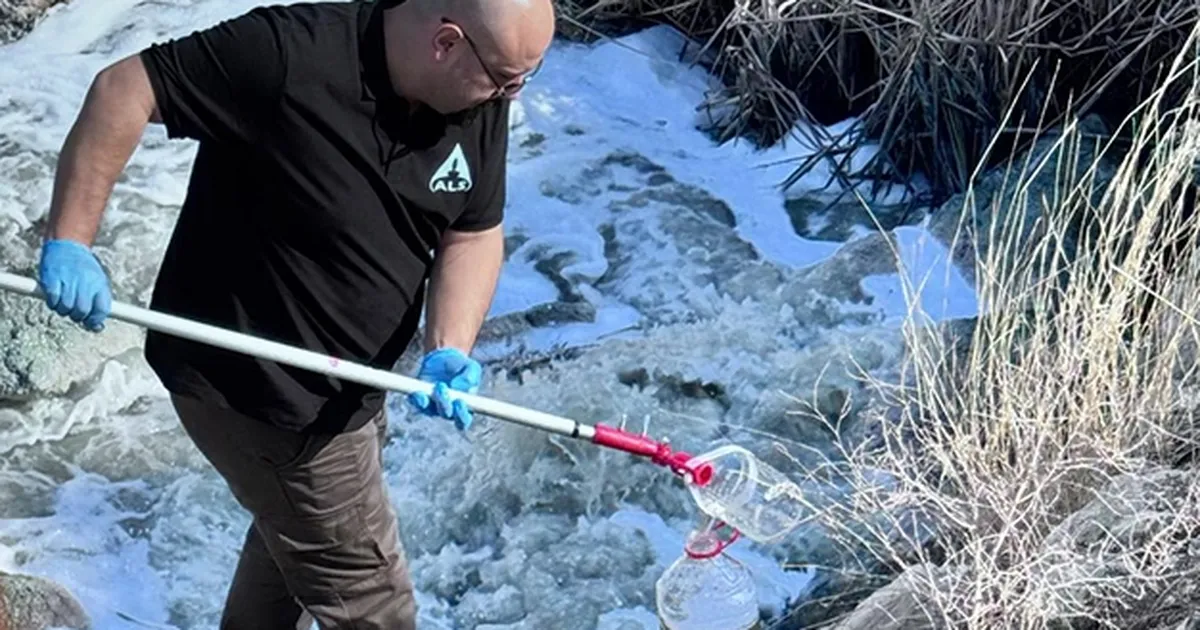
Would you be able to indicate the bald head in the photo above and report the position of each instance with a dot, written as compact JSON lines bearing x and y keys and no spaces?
{"x":454,"y":54}
{"x":517,"y":30}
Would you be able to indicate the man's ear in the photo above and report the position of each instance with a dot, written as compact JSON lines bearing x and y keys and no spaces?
{"x":446,"y":39}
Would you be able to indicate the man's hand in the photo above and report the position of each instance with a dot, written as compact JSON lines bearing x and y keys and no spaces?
{"x":448,"y":368}
{"x":74,"y":284}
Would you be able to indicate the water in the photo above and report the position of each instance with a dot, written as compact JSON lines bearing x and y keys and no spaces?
{"x":664,"y":272}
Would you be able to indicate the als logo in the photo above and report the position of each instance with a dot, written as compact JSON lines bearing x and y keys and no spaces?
{"x":453,"y":176}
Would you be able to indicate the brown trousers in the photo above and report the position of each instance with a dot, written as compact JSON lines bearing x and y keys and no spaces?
{"x":324,"y":543}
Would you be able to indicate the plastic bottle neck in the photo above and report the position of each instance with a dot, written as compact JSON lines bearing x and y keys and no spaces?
{"x":706,"y":544}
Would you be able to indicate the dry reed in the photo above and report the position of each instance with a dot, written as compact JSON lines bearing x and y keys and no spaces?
{"x":935,"y":82}
{"x":1081,"y":371}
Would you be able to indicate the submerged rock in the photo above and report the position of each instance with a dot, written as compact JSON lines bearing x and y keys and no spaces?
{"x":817,"y":220}
{"x":32,"y":603}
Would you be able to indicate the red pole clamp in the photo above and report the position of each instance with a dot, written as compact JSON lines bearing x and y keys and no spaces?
{"x":658,"y":452}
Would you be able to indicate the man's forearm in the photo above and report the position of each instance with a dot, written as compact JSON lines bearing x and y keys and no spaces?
{"x":115,"y":113}
{"x":461,"y":288}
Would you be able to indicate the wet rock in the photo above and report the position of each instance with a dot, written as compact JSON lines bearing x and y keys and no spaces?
{"x":513,"y":242}
{"x":910,"y":602}
{"x":852,"y":545}
{"x":28,"y":193}
{"x":45,"y":354}
{"x":548,"y":314}
{"x":552,"y":265}
{"x":557,"y":313}
{"x":18,"y":17}
{"x":25,"y":495}
{"x":840,"y":276}
{"x":817,"y":220}
{"x":32,"y":603}
{"x":516,"y":365}
{"x":848,"y":570}
{"x":157,"y":445}
{"x":690,"y":197}
{"x":670,"y":387}
{"x":1012,"y":198}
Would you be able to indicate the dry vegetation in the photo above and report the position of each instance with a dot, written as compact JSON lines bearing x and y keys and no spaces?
{"x":935,"y":81}
{"x":1073,"y":404}
{"x":1054,"y":454}
{"x":1077,"y":376}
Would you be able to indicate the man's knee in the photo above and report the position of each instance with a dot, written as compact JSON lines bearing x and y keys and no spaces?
{"x":321,"y":507}
{"x":340,"y":550}
{"x":346,"y":567}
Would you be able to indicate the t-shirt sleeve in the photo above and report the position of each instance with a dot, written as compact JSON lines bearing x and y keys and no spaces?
{"x":221,"y":83}
{"x":486,"y":206}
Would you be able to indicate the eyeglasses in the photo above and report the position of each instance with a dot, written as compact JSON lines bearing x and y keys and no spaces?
{"x":502,"y":90}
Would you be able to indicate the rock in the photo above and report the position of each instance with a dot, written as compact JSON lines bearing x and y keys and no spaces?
{"x":17,"y":17}
{"x":32,"y":603}
{"x":541,"y":315}
{"x":818,"y":220}
{"x":910,"y":602}
{"x":840,"y":276}
{"x":45,"y":354}
{"x":850,"y":565}
{"x":1021,"y":193}
{"x":1129,"y":554}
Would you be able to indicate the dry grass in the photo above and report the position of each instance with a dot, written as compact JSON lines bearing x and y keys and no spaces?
{"x":931,"y":79}
{"x":1078,"y":374}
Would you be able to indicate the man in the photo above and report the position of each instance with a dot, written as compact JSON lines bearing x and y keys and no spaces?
{"x":349,"y":154}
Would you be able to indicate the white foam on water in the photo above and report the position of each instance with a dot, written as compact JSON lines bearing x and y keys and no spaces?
{"x":160,"y":546}
{"x":928,"y":288}
{"x":580,"y":87}
{"x":83,"y":546}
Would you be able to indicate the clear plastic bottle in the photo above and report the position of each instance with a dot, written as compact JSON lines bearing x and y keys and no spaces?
{"x":756,"y":499}
{"x":706,"y":589}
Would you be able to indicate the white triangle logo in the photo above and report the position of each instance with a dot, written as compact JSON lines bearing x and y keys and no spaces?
{"x":454,"y":175}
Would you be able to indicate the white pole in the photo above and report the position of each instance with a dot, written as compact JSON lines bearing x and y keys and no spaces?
{"x":306,"y":359}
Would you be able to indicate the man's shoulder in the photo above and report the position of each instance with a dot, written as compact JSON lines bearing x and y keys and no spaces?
{"x":332,"y":23}
{"x":319,"y":40}
{"x":318,"y":11}
{"x":313,"y":15}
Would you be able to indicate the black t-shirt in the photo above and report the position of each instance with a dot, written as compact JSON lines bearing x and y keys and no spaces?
{"x":314,"y":204}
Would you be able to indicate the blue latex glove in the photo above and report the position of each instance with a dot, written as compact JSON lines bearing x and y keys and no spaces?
{"x":74,"y":284}
{"x":448,"y":369}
